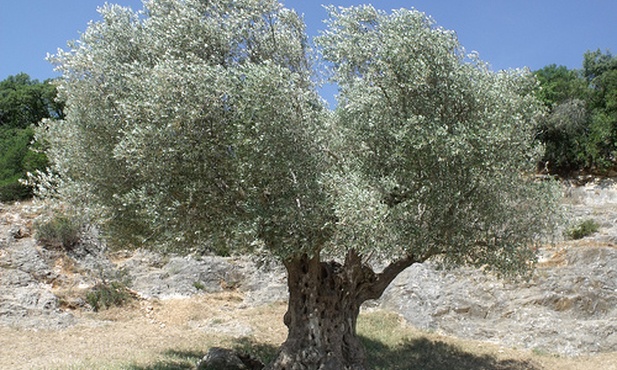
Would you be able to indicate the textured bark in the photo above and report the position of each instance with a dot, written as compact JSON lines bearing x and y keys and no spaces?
{"x":324,"y":303}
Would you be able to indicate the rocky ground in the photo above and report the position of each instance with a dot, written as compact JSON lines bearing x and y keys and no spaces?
{"x":568,"y":307}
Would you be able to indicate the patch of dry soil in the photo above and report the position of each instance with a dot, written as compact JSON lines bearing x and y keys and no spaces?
{"x":142,"y":333}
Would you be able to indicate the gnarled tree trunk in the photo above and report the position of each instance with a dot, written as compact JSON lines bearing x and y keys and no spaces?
{"x":324,"y":303}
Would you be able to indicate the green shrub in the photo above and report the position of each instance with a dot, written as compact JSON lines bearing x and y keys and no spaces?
{"x":12,"y":190}
{"x":106,"y":295}
{"x":59,"y":232}
{"x":15,"y":160}
{"x":583,"y":229}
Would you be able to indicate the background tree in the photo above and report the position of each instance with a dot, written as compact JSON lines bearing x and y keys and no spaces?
{"x":196,"y":121}
{"x":580,"y":131}
{"x":23,"y":103}
{"x":560,"y":84}
{"x":600,"y":70}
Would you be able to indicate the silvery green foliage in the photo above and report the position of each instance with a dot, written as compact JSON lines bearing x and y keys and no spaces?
{"x":195,"y":119}
{"x":190,"y":118}
{"x":437,"y":151}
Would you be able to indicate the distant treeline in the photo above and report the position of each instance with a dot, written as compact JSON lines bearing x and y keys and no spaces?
{"x":579,"y":131}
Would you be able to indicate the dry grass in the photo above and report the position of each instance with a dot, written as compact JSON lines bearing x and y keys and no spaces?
{"x":141,"y":335}
{"x":391,"y":344}
{"x":175,"y":334}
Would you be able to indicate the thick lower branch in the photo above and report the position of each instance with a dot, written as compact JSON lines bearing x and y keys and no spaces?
{"x":380,"y":282}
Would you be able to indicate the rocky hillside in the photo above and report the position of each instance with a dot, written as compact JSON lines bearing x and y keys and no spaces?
{"x":568,"y":307}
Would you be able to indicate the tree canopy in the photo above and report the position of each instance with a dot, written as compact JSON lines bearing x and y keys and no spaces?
{"x":173,"y":110}
{"x":195,"y":122}
{"x":438,"y":145}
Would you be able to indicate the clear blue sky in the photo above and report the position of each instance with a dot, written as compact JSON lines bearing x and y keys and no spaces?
{"x":506,"y":33}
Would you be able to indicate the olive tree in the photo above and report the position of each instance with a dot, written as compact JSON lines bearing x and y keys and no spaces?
{"x":194,"y":121}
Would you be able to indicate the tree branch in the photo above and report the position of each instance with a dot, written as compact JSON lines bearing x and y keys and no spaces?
{"x":383,"y":279}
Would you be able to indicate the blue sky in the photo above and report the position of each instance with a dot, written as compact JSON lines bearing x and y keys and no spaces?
{"x":506,"y":33}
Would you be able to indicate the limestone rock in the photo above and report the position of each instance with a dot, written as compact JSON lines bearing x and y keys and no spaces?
{"x":154,"y":276}
{"x":566,"y":309}
{"x":226,"y":359}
